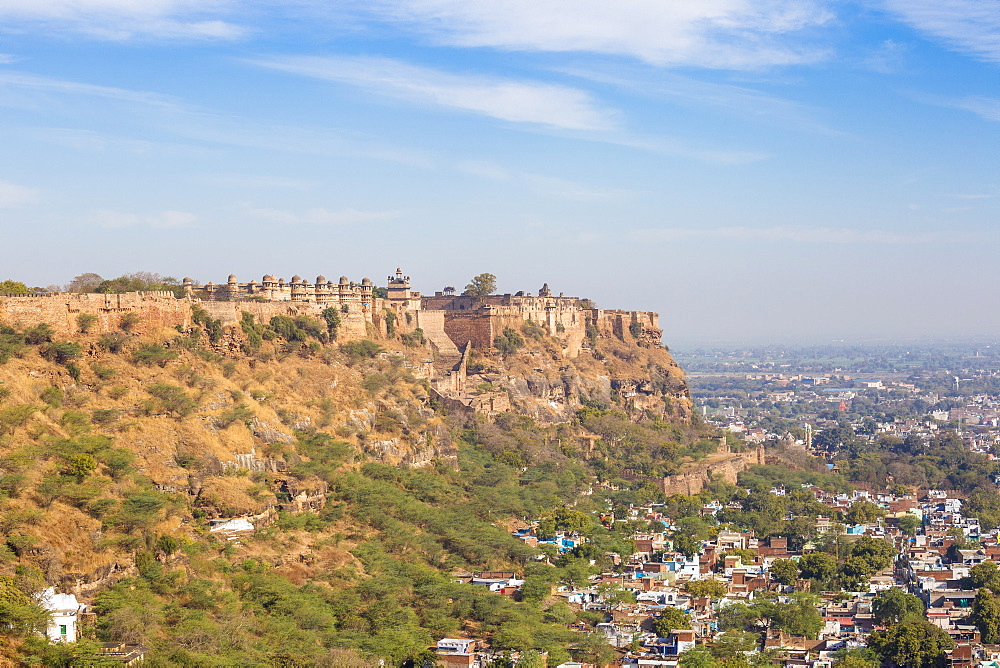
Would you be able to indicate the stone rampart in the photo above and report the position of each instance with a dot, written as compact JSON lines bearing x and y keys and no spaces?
{"x":726,"y":469}
{"x":61,"y":310}
{"x":618,"y":324}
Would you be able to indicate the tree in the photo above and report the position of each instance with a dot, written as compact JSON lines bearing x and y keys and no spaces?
{"x":696,"y":657}
{"x":892,"y":606}
{"x":710,"y":588}
{"x":863,"y":512}
{"x":670,"y":619}
{"x":13,"y":287}
{"x":913,"y":644}
{"x":985,"y":575}
{"x":861,"y":657}
{"x":86,"y":282}
{"x":19,"y":613}
{"x":817,"y":566}
{"x":909,"y":524}
{"x":986,"y":615}
{"x":785,"y":571}
{"x":481,"y":287}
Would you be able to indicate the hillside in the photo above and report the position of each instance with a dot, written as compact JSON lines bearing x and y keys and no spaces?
{"x":367,"y":482}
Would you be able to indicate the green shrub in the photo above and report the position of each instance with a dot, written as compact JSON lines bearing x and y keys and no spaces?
{"x":61,"y":353}
{"x":533,"y":330}
{"x":115,"y":342}
{"x":105,"y":416}
{"x":15,"y":416}
{"x":414,"y":338}
{"x":170,"y":399}
{"x":101,"y":371}
{"x":509,"y":342}
{"x":40,"y":333}
{"x":153,"y":353}
{"x":129,"y":320}
{"x":85,"y":321}
{"x":53,"y":396}
{"x":75,"y":422}
{"x":11,"y":343}
{"x":359,"y":350}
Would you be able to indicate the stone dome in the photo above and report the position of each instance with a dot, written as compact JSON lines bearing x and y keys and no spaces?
{"x":296,"y":279}
{"x":321,"y":279}
{"x":343,"y":280}
{"x":366,"y":281}
{"x":232,"y":278}
{"x":268,"y":278}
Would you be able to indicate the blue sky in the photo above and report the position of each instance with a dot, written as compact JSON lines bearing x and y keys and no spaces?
{"x":765,"y":170}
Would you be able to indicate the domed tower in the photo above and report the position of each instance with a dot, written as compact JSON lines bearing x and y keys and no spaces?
{"x":298,"y":289}
{"x":399,"y":286}
{"x":321,"y":289}
{"x":232,"y":287}
{"x":188,"y":284}
{"x":366,"y":290}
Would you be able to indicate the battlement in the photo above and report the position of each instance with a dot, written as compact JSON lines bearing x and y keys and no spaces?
{"x":272,"y":289}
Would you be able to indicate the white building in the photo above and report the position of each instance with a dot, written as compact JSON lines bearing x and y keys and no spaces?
{"x":64,"y":612}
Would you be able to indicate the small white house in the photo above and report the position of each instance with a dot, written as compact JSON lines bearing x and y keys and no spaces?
{"x":64,"y":612}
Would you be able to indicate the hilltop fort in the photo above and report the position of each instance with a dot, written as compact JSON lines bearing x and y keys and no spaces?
{"x":455,"y":327}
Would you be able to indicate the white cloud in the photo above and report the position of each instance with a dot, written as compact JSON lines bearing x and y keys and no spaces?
{"x":167,"y":113}
{"x":13,"y":195}
{"x":970,"y":26}
{"x":734,"y":100}
{"x":119,"y":20}
{"x":984,"y":107}
{"x":703,"y":33}
{"x":161,"y":220}
{"x":506,"y":99}
{"x":7,"y":58}
{"x":812,"y":235}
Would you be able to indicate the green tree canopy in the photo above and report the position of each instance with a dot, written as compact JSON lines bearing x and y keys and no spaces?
{"x":670,"y":619}
{"x":481,"y":287}
{"x":892,"y":606}
{"x":785,"y":571}
{"x":13,"y":287}
{"x":912,"y":644}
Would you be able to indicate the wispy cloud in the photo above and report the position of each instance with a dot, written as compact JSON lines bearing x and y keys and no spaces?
{"x":8,"y":58}
{"x":810,"y":235}
{"x":321,"y":216}
{"x":13,"y":195}
{"x":512,"y":100}
{"x":984,"y":107}
{"x":888,"y":58}
{"x":733,"y":100}
{"x":111,"y":219}
{"x":120,"y":20}
{"x":703,"y":33}
{"x":970,"y":26}
{"x":163,"y":113}
{"x":46,"y":84}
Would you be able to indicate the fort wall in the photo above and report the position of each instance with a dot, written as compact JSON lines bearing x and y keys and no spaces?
{"x":61,"y":309}
{"x":726,"y":469}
